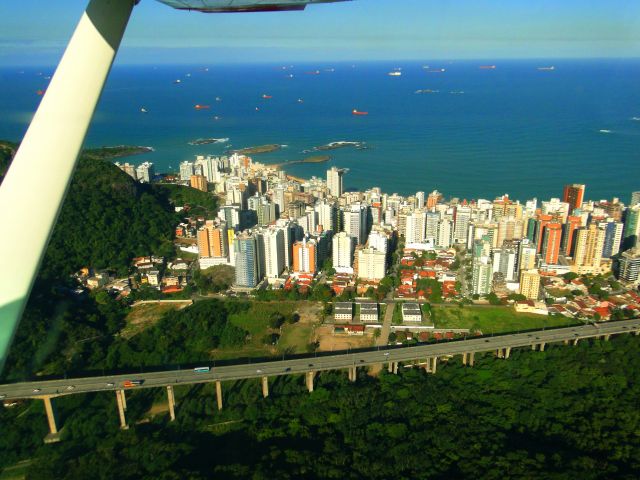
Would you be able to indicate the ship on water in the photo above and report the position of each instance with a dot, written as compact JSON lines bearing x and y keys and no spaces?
{"x":357,"y":112}
{"x":487,"y":67}
{"x":197,"y":106}
{"x":266,"y":97}
{"x":395,"y":73}
{"x":543,"y":69}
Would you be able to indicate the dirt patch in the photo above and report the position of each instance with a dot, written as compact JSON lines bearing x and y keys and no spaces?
{"x":330,"y":342}
{"x":146,"y":315}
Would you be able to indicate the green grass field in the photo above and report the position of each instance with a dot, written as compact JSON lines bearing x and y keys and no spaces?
{"x":294,"y":337}
{"x":493,"y":319}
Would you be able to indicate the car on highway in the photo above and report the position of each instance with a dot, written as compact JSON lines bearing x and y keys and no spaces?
{"x":201,"y":370}
{"x":2,"y":396}
{"x":386,"y":354}
{"x":110,"y":384}
{"x":132,"y":383}
{"x":36,"y":390}
{"x":258,"y":371}
{"x":71,"y":387}
{"x":288,"y":369}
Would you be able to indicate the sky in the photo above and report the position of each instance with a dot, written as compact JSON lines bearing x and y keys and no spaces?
{"x":34,"y":32}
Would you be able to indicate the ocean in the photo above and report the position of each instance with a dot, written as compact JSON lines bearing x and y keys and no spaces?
{"x":515,"y":129}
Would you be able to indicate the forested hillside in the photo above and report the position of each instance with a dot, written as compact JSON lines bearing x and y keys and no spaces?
{"x":566,"y":413}
{"x":107,"y":219}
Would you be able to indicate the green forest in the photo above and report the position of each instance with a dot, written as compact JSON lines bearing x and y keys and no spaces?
{"x":106,"y":220}
{"x":566,"y":413}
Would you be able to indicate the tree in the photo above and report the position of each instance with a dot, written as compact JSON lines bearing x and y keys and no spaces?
{"x":276,"y":320}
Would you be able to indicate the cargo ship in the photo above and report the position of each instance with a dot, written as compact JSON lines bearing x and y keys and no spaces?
{"x":265,"y":96}
{"x":488,"y":67}
{"x":544,"y":69}
{"x":201,"y":107}
{"x":394,"y":74}
{"x":357,"y":112}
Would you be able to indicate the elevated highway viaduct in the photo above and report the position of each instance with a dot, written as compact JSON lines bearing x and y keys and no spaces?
{"x":426,"y":355}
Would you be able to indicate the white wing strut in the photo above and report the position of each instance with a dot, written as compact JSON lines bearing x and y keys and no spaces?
{"x":34,"y":188}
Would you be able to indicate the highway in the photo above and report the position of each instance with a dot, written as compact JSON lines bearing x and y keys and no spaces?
{"x":356,"y":358}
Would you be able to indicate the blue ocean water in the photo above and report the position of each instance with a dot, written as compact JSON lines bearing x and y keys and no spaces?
{"x":515,"y":129}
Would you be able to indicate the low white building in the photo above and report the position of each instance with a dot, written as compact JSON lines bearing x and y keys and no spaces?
{"x":411,"y":312}
{"x":343,"y":311}
{"x":369,"y":312}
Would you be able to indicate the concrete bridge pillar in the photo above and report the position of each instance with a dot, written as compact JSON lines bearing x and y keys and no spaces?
{"x":607,"y":337}
{"x":353,"y":373}
{"x":121,"y":408}
{"x":434,"y":364}
{"x":172,"y":402}
{"x":507,"y":352}
{"x":309,"y":378}
{"x":499,"y":353}
{"x":219,"y":394}
{"x":636,"y":333}
{"x":427,"y":366}
{"x":575,"y":341}
{"x":566,"y":342}
{"x":53,"y":435}
{"x":395,"y":367}
{"x":390,"y":367}
{"x":265,"y":387}
{"x":542,"y":347}
{"x":472,"y":356}
{"x":464,"y":358}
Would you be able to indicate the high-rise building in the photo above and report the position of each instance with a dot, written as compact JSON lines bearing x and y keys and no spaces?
{"x":508,"y":229}
{"x":431,"y":226}
{"x":128,"y":169}
{"x":343,"y":248}
{"x":505,"y":207}
{"x":145,"y":172}
{"x":419,"y":199}
{"x":482,"y":276}
{"x":247,"y":271}
{"x":635,"y":198}
{"x":505,"y":261}
{"x":186,"y":170}
{"x":568,"y":234}
{"x":327,"y":213}
{"x":551,"y":243}
{"x":213,"y":241}
{"x":199,"y":182}
{"x":433,"y":199}
{"x":631,"y":227}
{"x":612,"y":238}
{"x":462,"y":219}
{"x":273,"y":252}
{"x":629,"y":271}
{"x":355,"y":222}
{"x":305,"y":256}
{"x":334,"y":181}
{"x":415,"y":227}
{"x":530,"y":284}
{"x":527,"y":260}
{"x":378,"y":240}
{"x":573,"y":195}
{"x":445,"y":233}
{"x":589,"y":246}
{"x":371,"y":264}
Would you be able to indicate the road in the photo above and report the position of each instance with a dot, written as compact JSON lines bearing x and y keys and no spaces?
{"x":383,"y":339}
{"x":356,"y":358}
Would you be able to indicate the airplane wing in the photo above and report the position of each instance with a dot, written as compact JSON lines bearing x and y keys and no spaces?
{"x":224,"y":6}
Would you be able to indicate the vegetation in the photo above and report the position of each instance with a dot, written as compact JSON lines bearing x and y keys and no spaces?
{"x":563,"y":413}
{"x":493,"y":319}
{"x":215,"y":279}
{"x":199,"y":203}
